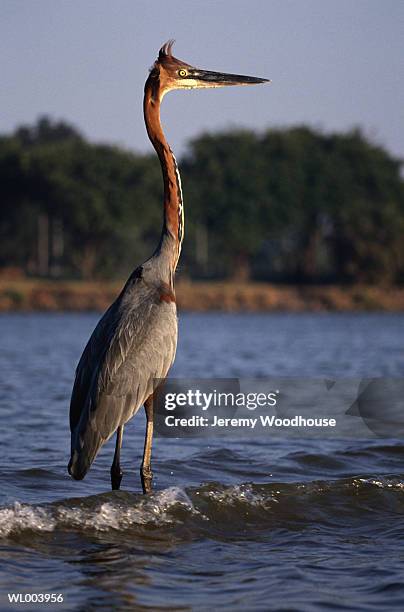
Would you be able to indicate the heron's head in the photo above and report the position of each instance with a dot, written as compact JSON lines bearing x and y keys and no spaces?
{"x":169,"y":73}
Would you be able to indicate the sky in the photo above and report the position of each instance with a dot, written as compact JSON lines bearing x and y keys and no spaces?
{"x":334,"y":64}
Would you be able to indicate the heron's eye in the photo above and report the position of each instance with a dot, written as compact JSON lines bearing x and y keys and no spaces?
{"x":182,"y":72}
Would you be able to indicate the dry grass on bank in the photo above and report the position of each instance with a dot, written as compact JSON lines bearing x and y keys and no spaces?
{"x":42,"y":295}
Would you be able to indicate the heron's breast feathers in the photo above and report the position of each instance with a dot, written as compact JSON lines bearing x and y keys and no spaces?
{"x":142,"y":349}
{"x":133,"y":344}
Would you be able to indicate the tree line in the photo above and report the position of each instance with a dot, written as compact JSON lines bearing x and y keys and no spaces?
{"x":285,"y":205}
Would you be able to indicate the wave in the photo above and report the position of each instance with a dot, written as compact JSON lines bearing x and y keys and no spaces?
{"x":115,"y":510}
{"x":215,"y":508}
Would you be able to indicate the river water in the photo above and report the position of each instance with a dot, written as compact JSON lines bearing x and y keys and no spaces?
{"x":265,"y":524}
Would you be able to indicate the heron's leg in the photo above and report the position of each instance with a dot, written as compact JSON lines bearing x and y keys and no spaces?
{"x":146,"y":474}
{"x":116,"y":472}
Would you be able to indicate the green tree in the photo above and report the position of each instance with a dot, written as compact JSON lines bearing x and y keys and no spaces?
{"x":288,"y":204}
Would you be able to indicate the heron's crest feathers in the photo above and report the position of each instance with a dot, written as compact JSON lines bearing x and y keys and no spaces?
{"x":166,"y":49}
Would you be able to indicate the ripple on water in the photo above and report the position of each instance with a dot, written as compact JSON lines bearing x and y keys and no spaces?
{"x":214,"y":509}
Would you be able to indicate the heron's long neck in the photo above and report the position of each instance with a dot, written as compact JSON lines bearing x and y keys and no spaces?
{"x":173,"y":226}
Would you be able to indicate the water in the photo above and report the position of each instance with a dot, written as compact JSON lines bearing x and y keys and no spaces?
{"x":233,"y":525}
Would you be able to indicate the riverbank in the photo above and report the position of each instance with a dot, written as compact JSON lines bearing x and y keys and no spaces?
{"x":41,"y":295}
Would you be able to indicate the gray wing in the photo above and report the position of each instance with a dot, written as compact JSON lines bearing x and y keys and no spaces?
{"x":96,"y":350}
{"x":92,"y":356}
{"x":134,"y":342}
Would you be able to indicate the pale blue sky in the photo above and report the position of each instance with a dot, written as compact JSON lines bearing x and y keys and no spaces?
{"x":334,"y":64}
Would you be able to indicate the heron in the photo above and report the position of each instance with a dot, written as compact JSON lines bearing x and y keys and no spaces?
{"x":135,"y":341}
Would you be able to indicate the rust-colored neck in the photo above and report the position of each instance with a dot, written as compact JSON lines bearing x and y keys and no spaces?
{"x":173,"y":226}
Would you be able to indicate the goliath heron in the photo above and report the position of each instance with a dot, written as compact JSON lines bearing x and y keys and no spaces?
{"x":135,"y":341}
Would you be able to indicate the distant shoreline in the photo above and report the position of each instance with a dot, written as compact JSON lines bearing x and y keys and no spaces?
{"x":27,"y":295}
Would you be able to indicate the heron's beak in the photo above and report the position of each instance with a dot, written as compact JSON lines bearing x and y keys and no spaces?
{"x":207,"y":78}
